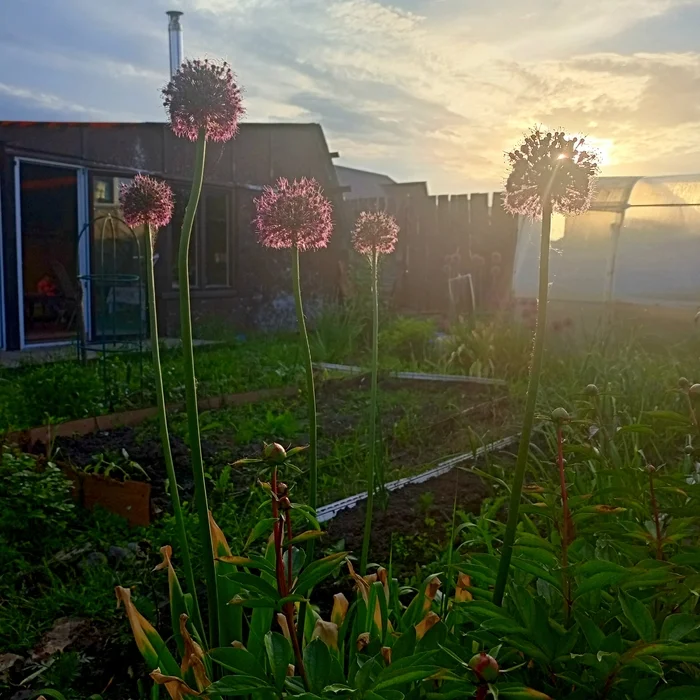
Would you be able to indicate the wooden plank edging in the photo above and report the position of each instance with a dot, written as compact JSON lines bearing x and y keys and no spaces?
{"x":85,"y":426}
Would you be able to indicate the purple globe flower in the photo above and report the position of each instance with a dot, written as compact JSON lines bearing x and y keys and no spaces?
{"x":375,"y":232}
{"x":204,"y":95}
{"x":294,"y":214}
{"x":550,"y":165}
{"x":145,"y":200}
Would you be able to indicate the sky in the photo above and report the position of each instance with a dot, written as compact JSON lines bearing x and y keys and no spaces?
{"x":434,"y":90}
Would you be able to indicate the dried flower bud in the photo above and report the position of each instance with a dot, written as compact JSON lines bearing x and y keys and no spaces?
{"x":274,"y":452}
{"x":683,"y":384}
{"x":591,"y":390}
{"x":485,"y":667}
{"x":386,"y":655}
{"x":429,"y":621}
{"x":282,"y":488}
{"x":327,"y":632}
{"x":560,"y":415}
{"x":145,"y":200}
{"x":290,"y":670}
{"x":362,"y":641}
{"x":294,"y":214}
{"x":203,"y":96}
{"x":375,"y":232}
{"x":651,"y":469}
{"x":340,"y":609}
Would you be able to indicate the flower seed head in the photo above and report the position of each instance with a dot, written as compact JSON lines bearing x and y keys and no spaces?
{"x":560,"y":415}
{"x":554,"y":166}
{"x":485,"y":667}
{"x":146,"y":200}
{"x":294,"y":214}
{"x":375,"y":232}
{"x":203,"y":95}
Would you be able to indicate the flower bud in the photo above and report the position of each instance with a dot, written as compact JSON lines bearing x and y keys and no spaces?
{"x":591,"y":390}
{"x":285,"y":504}
{"x":683,"y":384}
{"x":694,"y":391}
{"x":485,"y":667}
{"x":560,"y":415}
{"x":274,"y":452}
{"x":689,"y":449}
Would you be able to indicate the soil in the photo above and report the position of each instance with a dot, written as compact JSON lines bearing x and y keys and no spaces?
{"x":416,"y":510}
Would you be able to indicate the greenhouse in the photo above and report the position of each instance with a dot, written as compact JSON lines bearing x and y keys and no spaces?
{"x":637,"y":246}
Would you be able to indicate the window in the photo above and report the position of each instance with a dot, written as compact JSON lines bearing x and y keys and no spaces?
{"x":209,"y":244}
{"x":216,"y":267}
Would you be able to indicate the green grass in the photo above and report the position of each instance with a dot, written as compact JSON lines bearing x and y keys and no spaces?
{"x":60,"y":391}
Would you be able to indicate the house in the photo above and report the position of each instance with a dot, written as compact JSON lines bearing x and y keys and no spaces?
{"x":61,"y":233}
{"x":362,"y":184}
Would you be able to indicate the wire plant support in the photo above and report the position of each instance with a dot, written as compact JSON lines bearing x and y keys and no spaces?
{"x":114,"y":297}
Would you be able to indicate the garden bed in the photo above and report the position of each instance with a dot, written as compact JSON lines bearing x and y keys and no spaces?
{"x":421,"y":423}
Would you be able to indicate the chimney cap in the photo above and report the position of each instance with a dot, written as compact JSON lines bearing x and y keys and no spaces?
{"x":174,"y":14}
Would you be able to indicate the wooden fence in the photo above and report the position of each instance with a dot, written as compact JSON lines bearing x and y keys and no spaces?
{"x":443,"y":239}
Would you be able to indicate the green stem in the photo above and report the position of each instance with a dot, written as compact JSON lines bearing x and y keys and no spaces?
{"x":200,"y":487}
{"x":372,"y":461}
{"x":310,"y":391}
{"x":164,"y":434}
{"x":530,"y":406}
{"x":313,"y":429}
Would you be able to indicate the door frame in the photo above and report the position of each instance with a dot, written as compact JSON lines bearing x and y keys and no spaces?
{"x":83,"y":244}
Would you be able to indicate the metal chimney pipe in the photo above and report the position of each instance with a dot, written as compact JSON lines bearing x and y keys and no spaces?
{"x":175,"y":36}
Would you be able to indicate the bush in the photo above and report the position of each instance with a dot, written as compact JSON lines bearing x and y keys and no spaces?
{"x":35,"y":500}
{"x":407,"y":339}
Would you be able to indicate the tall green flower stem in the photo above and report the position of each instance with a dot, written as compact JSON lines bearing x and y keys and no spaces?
{"x":164,"y":433}
{"x":313,"y":420}
{"x":200,"y":494}
{"x":530,"y":406}
{"x":372,"y":457}
{"x":310,"y":389}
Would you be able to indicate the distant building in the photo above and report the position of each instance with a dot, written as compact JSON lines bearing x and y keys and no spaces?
{"x":60,"y":181}
{"x":362,"y":184}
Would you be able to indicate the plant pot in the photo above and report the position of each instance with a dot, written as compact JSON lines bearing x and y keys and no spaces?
{"x":129,"y":499}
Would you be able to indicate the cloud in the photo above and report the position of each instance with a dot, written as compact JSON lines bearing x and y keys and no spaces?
{"x":420,"y":90}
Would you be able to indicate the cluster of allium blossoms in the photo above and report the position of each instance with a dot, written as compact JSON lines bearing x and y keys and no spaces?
{"x":295,"y":214}
{"x":145,"y":200}
{"x":550,"y":165}
{"x":375,"y":233}
{"x":204,"y":96}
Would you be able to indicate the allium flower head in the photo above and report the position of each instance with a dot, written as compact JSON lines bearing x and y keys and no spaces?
{"x":294,"y":214}
{"x":375,"y":232}
{"x":145,"y":200}
{"x":550,"y":165}
{"x":204,"y":95}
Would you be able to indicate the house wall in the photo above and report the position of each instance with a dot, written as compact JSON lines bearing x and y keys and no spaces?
{"x":260,"y":280}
